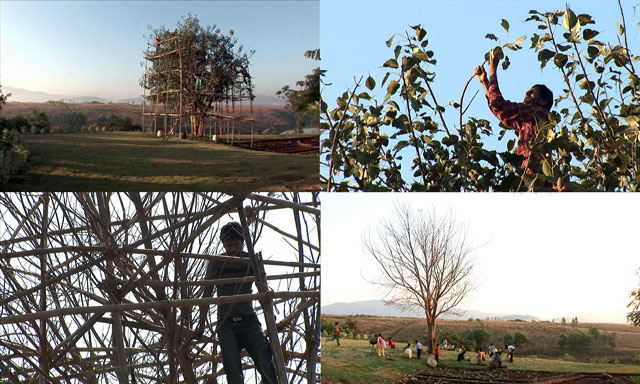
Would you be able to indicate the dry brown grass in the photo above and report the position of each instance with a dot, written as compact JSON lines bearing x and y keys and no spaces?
{"x":276,"y":117}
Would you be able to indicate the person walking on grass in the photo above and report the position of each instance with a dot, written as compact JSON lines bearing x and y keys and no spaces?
{"x":437,"y":353}
{"x":336,"y":334}
{"x":381,"y":345}
{"x":418,"y":348}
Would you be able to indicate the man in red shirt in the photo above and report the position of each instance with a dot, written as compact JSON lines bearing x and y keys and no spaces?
{"x":521,"y":117}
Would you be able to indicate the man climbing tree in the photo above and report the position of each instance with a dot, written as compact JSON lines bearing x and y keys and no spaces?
{"x":524,"y":118}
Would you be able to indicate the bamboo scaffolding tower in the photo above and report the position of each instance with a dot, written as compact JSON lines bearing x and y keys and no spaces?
{"x":168,"y":98}
{"x":106,"y":287}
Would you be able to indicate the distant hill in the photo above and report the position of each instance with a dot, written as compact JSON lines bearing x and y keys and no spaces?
{"x":27,"y":96}
{"x":378,"y":308}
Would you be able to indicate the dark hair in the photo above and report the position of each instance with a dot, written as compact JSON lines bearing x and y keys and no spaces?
{"x":231,"y":231}
{"x":546,"y":95}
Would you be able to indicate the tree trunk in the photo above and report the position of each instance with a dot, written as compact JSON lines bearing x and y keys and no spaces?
{"x":431,"y":334}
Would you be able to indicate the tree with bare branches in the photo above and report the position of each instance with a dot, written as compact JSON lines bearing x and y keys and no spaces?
{"x":425,"y":262}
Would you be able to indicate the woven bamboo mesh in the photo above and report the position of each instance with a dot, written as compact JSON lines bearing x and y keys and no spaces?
{"x":106,"y":287}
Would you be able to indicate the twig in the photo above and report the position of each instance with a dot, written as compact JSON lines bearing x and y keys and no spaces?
{"x":334,"y":128}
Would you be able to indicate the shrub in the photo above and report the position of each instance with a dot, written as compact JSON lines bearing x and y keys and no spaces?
{"x":567,"y":357}
{"x":35,"y":130}
{"x":508,"y":339}
{"x":603,"y":360}
{"x":13,"y":154}
{"x":519,"y":339}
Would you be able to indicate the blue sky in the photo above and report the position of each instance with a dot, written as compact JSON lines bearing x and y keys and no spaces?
{"x":353,"y":36}
{"x":95,"y":47}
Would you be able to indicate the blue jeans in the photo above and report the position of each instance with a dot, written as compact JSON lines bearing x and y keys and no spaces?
{"x":247,"y":334}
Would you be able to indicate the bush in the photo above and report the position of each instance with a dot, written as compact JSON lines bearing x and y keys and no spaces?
{"x":13,"y":154}
{"x":508,"y":339}
{"x":35,"y":130}
{"x":519,"y":339}
{"x":567,"y":357}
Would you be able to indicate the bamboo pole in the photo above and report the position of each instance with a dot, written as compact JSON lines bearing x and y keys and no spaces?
{"x":149,"y":305}
{"x":96,"y":248}
{"x":267,"y":301}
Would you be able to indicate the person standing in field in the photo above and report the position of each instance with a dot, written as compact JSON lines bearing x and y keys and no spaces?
{"x":238,"y":325}
{"x":392,"y":345}
{"x":437,"y":353}
{"x":492,"y":350}
{"x":381,"y":345}
{"x":336,"y":334}
{"x":418,"y":348}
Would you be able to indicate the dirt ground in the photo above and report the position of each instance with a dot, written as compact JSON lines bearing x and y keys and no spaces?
{"x":458,"y":376}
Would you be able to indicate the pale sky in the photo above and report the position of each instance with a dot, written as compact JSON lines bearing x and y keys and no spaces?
{"x":353,"y":45}
{"x":545,"y":255}
{"x":95,"y":48}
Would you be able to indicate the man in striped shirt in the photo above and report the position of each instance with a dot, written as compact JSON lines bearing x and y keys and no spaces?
{"x":522,"y":117}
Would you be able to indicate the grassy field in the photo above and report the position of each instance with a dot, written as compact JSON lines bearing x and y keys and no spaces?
{"x":353,"y":362}
{"x":542,"y":336}
{"x":130,"y":161}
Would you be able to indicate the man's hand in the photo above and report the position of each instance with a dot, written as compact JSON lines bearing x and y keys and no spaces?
{"x":482,"y":76}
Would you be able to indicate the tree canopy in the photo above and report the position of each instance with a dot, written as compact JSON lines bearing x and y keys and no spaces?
{"x":590,"y":143}
{"x":424,"y":261}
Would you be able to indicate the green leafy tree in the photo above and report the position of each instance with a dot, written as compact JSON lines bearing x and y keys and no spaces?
{"x":574,"y":322}
{"x":508,"y":339}
{"x":40,"y":121}
{"x":519,"y":339}
{"x":634,"y":315}
{"x":594,"y":332}
{"x":352,"y":325}
{"x":3,"y":97}
{"x":214,"y":68}
{"x":303,"y":102}
{"x":593,"y":137}
{"x":564,"y":321}
{"x":71,"y":120}
{"x":18,"y":123}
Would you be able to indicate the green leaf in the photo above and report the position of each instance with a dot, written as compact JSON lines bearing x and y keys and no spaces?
{"x":544,"y":56}
{"x":519,"y":41}
{"x":491,"y":36}
{"x":589,"y":34}
{"x":391,"y":63}
{"x":390,"y":41}
{"x":393,"y":87}
{"x":560,"y":60}
{"x":401,"y":145}
{"x":547,"y":169}
{"x":370,"y":83}
{"x":420,"y":33}
{"x":505,"y":25}
{"x":569,"y":20}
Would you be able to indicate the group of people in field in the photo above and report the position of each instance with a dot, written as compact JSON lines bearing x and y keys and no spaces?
{"x":494,"y":358}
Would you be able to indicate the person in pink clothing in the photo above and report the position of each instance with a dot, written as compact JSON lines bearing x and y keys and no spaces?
{"x":381,"y":345}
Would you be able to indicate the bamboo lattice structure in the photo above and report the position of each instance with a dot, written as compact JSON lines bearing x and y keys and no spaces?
{"x":173,"y":103}
{"x":106,"y":287}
